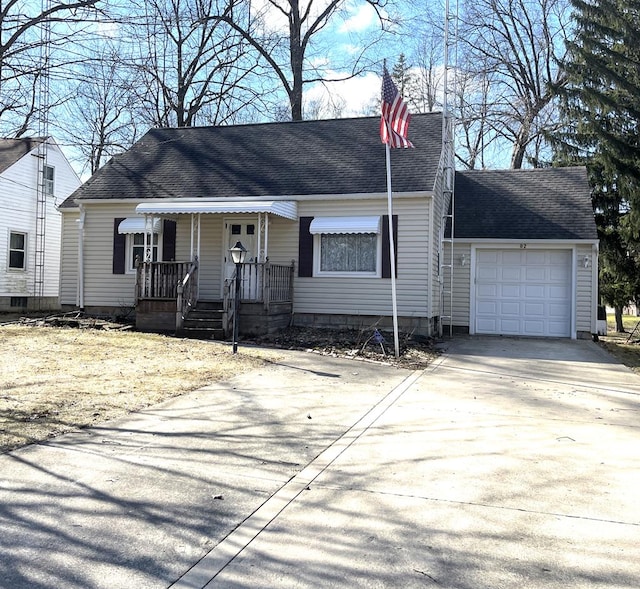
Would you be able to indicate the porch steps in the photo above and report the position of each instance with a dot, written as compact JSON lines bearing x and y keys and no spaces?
{"x":204,"y":321}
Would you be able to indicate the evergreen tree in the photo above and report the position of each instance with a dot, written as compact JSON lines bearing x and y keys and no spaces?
{"x":602,"y":128}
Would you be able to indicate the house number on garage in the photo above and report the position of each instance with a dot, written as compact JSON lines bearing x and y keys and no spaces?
{"x":523,"y":246}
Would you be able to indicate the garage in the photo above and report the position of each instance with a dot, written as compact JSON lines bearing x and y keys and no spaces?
{"x":524,"y":292}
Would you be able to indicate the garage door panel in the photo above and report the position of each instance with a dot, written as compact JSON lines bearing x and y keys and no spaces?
{"x":513,"y":257}
{"x":487,"y":308}
{"x":535,"y":257}
{"x":509,"y":326}
{"x":487,"y":290}
{"x":558,"y":310}
{"x":509,"y":308}
{"x":560,"y":258}
{"x":534,"y":309}
{"x":534,"y":327}
{"x":486,"y":273}
{"x":559,"y":292}
{"x":509,"y":291}
{"x":488,"y":326}
{"x":557,"y":328}
{"x":511,"y":274}
{"x":537,"y":274}
{"x":523,"y":292}
{"x":534,"y":291}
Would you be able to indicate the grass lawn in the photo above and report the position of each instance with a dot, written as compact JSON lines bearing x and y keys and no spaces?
{"x":616,"y":343}
{"x":58,"y":379}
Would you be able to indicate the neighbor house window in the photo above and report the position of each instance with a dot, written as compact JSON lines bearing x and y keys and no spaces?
{"x":346,"y":246}
{"x":47,"y":180}
{"x":17,"y":250}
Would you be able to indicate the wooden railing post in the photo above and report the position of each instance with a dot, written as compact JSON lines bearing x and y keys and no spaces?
{"x":179,"y":311}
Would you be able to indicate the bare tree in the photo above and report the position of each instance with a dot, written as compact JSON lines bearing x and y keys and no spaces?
{"x":190,"y":68}
{"x":27,"y":33}
{"x":518,"y":43}
{"x":288,"y":53}
{"x":99,"y":122}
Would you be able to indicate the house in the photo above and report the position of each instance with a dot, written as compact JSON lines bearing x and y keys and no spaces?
{"x":151,"y":231}
{"x":35,"y":177}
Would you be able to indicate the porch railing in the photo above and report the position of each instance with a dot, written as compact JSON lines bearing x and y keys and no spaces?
{"x":261,"y":282}
{"x":160,"y":280}
{"x":264,"y":283}
{"x":187,"y":294}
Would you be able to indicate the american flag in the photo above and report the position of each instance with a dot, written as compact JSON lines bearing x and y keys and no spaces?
{"x":394,"y":124}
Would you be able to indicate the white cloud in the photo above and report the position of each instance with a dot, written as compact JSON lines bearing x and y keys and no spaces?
{"x":347,"y":98}
{"x":363,"y":18}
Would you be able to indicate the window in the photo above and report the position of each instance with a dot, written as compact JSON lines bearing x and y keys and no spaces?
{"x":345,"y":252}
{"x":47,"y":180}
{"x":17,"y":250}
{"x":346,"y":245}
{"x":135,"y":248}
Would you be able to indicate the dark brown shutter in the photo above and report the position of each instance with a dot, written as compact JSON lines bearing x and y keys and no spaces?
{"x":305,"y":248}
{"x":168,"y":241}
{"x":119,"y":248}
{"x":386,"y":254}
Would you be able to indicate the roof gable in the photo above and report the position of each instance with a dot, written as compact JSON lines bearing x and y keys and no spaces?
{"x":11,"y":150}
{"x":542,"y":203}
{"x":338,"y":156}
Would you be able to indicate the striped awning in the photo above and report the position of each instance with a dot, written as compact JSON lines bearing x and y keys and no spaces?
{"x":345,"y":225}
{"x":138,"y":225}
{"x":286,"y":209}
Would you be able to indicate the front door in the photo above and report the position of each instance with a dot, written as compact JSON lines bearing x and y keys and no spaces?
{"x":245,"y":232}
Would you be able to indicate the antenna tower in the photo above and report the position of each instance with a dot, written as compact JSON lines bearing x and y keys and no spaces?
{"x":448,"y":163}
{"x":43,"y":136}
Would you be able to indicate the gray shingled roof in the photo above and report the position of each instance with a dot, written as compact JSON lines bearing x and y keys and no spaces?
{"x":11,"y":150}
{"x":339,"y":156}
{"x":545,"y":203}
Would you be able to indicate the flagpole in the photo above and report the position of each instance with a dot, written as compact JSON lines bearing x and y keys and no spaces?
{"x":392,"y":255}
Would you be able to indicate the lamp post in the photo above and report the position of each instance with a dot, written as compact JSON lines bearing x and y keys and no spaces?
{"x":238,"y":253}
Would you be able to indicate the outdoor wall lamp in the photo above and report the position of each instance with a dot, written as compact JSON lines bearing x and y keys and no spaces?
{"x":238,"y":254}
{"x":463,"y":260}
{"x":585,"y":261}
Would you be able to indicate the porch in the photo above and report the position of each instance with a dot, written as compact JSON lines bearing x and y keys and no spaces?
{"x":167,"y":300}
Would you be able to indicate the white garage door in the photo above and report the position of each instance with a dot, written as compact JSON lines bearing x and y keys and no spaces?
{"x":523,"y":292}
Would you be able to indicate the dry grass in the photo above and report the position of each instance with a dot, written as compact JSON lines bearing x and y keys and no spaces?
{"x":55,"y":380}
{"x":616,"y":343}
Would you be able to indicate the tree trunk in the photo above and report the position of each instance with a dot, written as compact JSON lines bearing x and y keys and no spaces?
{"x":619,"y":325}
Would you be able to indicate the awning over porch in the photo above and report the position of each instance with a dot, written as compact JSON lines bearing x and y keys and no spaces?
{"x":286,"y":209}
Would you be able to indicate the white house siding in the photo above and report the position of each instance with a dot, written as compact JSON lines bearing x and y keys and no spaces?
{"x":461,"y":284}
{"x":102,"y":288}
{"x":372,"y":296}
{"x":69,"y":258}
{"x":18,"y":185}
{"x":586,"y":295}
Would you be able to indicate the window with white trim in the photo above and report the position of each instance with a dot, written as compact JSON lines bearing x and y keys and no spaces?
{"x":17,"y":250}
{"x":346,"y":246}
{"x":135,"y":249}
{"x":48,"y":175}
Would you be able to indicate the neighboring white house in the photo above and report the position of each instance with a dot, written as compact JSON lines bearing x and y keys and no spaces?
{"x":35,"y":177}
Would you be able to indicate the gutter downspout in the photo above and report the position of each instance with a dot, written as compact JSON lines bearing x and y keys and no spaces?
{"x":80,"y":293}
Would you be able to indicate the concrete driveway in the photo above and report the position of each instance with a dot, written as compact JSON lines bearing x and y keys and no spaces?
{"x":508,"y":463}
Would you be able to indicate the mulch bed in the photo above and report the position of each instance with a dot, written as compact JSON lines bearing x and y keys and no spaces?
{"x":365,"y":344}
